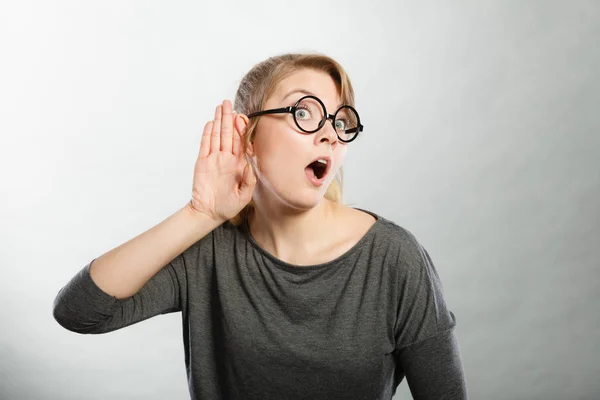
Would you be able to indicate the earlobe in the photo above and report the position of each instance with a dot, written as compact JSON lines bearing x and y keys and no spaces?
{"x":250,"y":150}
{"x":253,"y":161}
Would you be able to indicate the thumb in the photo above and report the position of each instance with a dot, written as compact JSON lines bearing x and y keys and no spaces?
{"x":248,"y":179}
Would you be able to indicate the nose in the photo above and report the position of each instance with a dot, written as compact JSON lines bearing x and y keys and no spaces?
{"x":327,"y":133}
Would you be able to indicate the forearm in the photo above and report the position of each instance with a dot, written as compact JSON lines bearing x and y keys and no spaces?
{"x":123,"y":271}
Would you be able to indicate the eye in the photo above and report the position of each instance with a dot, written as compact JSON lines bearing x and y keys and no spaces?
{"x":303,"y":112}
{"x":340,"y":124}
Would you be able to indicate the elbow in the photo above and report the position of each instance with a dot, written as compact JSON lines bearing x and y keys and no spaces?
{"x":69,"y":318}
{"x":65,"y":318}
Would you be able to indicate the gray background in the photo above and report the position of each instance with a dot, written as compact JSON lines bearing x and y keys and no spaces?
{"x":482,"y":138}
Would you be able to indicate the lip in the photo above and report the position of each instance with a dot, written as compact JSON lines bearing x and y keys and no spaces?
{"x":326,"y":158}
{"x":320,"y":182}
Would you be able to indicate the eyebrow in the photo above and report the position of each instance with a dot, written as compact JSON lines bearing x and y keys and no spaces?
{"x":306,"y":92}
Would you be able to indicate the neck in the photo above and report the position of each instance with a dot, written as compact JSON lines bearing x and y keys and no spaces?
{"x":292,"y":235}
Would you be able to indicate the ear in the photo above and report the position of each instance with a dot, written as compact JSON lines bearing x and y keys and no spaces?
{"x":240,"y":123}
{"x":250,"y":149}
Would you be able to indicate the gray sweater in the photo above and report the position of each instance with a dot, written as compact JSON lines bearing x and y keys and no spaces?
{"x":256,"y":327}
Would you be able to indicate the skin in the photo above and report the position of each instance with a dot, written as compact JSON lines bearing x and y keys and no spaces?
{"x":293,"y":220}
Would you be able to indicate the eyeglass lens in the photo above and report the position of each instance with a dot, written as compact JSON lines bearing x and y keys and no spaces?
{"x":310,"y":113}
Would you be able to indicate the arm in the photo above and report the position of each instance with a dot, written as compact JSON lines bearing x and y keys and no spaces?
{"x":433,"y":368}
{"x":427,"y":349}
{"x":136,"y":280}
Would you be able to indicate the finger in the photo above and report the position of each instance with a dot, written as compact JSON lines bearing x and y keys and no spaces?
{"x":215,"y":138}
{"x":226,"y":127}
{"x":205,"y":142}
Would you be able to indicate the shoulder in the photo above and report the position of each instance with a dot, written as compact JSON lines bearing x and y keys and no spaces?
{"x":392,"y":233}
{"x":399,"y":246}
{"x":226,"y":233}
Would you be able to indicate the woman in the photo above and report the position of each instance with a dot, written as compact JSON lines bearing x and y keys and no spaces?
{"x":285,"y":293}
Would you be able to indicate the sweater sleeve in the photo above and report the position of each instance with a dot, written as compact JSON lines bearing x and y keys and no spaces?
{"x":433,"y":368}
{"x":82,"y":307}
{"x":427,"y":348}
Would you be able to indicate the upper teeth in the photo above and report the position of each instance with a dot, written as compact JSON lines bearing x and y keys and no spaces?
{"x":322,"y":161}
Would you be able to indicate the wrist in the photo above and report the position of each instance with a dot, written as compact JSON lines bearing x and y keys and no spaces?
{"x":201,"y":217}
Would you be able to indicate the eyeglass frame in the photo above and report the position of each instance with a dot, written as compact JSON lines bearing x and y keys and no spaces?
{"x":292,"y":110}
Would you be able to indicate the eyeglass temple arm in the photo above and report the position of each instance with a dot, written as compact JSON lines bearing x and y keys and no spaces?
{"x":273,"y":111}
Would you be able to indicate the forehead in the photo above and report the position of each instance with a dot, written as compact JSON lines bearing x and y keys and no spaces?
{"x":308,"y":81}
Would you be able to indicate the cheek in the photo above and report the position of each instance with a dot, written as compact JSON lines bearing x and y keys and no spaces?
{"x":340,"y":156}
{"x":277,"y":158}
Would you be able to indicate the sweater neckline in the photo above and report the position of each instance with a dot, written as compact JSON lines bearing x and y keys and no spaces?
{"x":307,"y":268}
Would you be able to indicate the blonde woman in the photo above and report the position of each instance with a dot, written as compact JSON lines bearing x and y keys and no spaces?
{"x":284,"y":292}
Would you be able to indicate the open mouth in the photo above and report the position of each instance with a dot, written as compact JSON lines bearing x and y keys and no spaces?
{"x":317,"y":170}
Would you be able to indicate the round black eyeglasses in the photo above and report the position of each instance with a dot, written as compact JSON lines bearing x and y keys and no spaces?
{"x":310,"y":115}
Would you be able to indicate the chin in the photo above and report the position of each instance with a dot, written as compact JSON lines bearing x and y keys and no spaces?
{"x":299,"y":196}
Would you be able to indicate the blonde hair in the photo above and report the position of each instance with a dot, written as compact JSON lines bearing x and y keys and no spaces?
{"x":260,"y":83}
